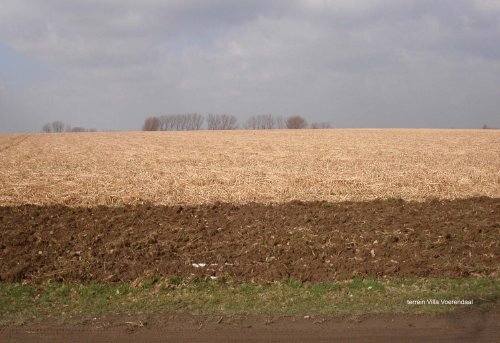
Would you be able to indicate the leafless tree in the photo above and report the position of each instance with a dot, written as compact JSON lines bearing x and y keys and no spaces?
{"x":222,"y":122}
{"x":166,"y":122}
{"x":260,"y":122}
{"x":252,"y":123}
{"x":267,"y":121}
{"x":229,"y":122}
{"x":178,"y":122}
{"x":151,"y":124}
{"x":79,"y":129}
{"x":47,"y":128}
{"x":197,"y":121}
{"x":280,"y":122}
{"x":321,"y":125}
{"x":213,"y":121}
{"x":296,"y":122}
{"x":181,"y":122}
{"x":57,"y":126}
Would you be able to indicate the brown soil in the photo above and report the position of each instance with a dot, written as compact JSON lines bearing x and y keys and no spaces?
{"x":251,"y":243}
{"x":472,"y":325}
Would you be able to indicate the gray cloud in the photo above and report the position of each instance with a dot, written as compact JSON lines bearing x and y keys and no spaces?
{"x":381,"y":63}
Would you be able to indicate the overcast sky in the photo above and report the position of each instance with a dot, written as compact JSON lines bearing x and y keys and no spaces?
{"x":108,"y":64}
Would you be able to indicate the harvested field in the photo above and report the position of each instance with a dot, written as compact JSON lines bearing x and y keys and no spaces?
{"x":258,"y":243}
{"x":171,"y":168}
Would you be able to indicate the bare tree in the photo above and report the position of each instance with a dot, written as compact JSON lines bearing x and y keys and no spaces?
{"x":321,"y":125}
{"x":280,"y":122}
{"x":268,"y":121}
{"x":199,"y":121}
{"x":79,"y":129}
{"x":222,"y":122}
{"x":151,"y":124}
{"x":166,"y":122}
{"x":213,"y":121}
{"x":252,"y":123}
{"x":229,"y":122}
{"x":47,"y":128}
{"x":181,"y":122}
{"x":195,"y":121}
{"x":57,"y":126}
{"x":260,"y":122}
{"x":296,"y":122}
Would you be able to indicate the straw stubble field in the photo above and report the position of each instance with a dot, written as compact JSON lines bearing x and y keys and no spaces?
{"x":172,"y":168}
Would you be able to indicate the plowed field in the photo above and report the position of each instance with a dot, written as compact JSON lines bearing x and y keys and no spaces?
{"x":316,"y":241}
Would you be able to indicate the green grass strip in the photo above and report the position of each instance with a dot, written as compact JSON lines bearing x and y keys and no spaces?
{"x":21,"y":303}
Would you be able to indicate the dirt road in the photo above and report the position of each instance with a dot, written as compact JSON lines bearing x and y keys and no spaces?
{"x":472,"y":325}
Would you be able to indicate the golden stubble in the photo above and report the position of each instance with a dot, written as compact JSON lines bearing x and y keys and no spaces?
{"x":108,"y":168}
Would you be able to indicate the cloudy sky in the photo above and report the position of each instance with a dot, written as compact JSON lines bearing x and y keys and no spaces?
{"x":108,"y":64}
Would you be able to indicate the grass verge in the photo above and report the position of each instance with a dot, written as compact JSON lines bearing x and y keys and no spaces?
{"x":20,"y":304}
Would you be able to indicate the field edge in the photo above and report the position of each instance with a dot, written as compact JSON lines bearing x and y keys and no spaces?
{"x":21,"y":304}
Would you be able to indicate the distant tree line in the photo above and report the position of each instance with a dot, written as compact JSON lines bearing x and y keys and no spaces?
{"x":264,"y":122}
{"x":222,"y":122}
{"x":174,"y":122}
{"x":321,"y":125}
{"x":194,"y":121}
{"x":59,"y":126}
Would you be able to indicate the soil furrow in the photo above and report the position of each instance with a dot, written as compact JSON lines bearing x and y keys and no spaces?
{"x":315,"y":241}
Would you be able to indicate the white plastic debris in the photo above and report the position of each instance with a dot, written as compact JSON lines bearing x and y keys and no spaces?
{"x":199,"y":265}
{"x":203,"y":265}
